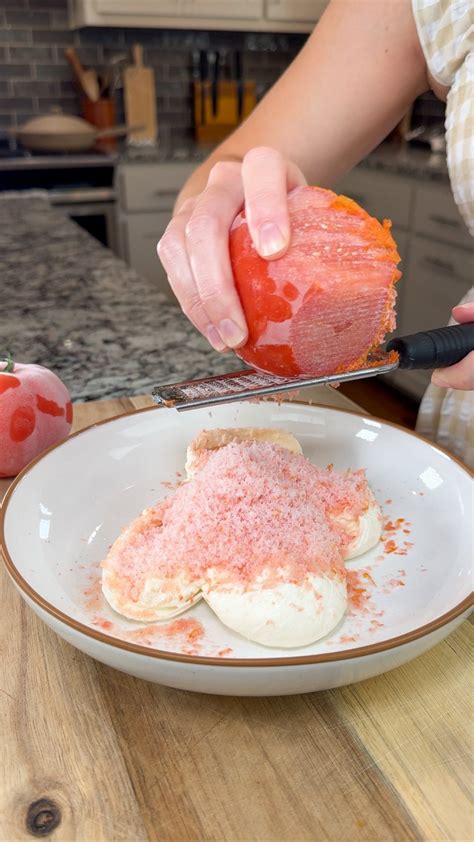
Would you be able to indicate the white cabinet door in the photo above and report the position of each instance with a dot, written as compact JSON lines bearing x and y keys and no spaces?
{"x":295,"y":10}
{"x":437,"y":277}
{"x":380,"y":194}
{"x":139,"y":234}
{"x":154,"y":187}
{"x":437,"y":216}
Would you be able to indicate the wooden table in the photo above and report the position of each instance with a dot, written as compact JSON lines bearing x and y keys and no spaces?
{"x":117,"y":759}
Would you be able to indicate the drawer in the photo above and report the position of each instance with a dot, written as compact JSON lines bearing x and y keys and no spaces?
{"x":383,"y":196}
{"x":139,"y":233}
{"x":144,"y":187}
{"x":437,"y":278}
{"x":437,"y":216}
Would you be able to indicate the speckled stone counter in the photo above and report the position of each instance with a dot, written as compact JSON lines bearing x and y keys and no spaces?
{"x":415,"y":162}
{"x":68,"y":303}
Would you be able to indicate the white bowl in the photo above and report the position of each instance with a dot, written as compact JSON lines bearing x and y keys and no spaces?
{"x":65,"y":509}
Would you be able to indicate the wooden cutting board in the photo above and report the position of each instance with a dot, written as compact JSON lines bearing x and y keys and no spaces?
{"x":140,"y":98}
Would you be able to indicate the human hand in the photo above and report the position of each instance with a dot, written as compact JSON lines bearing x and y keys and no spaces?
{"x":194,"y":249}
{"x":461,"y":375}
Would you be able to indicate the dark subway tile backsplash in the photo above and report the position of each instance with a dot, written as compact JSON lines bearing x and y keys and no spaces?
{"x":15,"y":71}
{"x":35,"y":75}
{"x":8,"y":35}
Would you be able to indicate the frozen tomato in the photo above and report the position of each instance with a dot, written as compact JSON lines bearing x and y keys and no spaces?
{"x":35,"y":412}
{"x":329,"y":301}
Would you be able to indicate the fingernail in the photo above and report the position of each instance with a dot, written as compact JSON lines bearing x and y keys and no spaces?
{"x":213,"y":337}
{"x":270,"y":239}
{"x":439,"y":379}
{"x":231,"y":333}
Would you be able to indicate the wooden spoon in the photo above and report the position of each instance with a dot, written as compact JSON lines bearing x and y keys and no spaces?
{"x":87,"y":79}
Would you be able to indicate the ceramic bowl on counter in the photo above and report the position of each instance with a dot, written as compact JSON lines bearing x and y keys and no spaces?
{"x":62,"y":513}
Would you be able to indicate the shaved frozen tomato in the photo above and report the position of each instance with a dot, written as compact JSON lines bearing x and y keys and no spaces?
{"x":323,"y":306}
{"x":35,"y":412}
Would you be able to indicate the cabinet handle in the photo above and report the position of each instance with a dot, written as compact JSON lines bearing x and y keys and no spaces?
{"x":437,"y":263}
{"x":123,"y":246}
{"x":121,"y":191}
{"x":444,"y":220}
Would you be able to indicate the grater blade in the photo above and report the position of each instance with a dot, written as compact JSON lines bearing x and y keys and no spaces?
{"x":249,"y":383}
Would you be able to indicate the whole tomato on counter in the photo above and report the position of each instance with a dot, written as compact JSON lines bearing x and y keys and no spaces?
{"x":35,"y":412}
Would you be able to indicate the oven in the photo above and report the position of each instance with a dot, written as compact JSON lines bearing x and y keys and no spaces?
{"x":92,"y":208}
{"x":82,"y":186}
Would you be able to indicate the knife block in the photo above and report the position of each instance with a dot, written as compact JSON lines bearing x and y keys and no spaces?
{"x":213,"y":127}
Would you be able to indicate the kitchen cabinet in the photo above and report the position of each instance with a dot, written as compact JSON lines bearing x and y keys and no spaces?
{"x":243,"y":15}
{"x":139,"y":234}
{"x":383,"y":195}
{"x":151,"y":187}
{"x":438,"y":276}
{"x":146,"y":196}
{"x":436,"y":216}
{"x":301,"y":11}
{"x":227,"y":9}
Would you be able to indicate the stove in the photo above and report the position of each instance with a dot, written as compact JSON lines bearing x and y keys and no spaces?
{"x":81,"y":184}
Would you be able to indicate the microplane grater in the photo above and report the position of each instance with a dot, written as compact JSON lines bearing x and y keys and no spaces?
{"x":428,"y":349}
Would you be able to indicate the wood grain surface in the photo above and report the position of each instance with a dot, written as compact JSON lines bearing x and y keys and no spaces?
{"x":109,"y":757}
{"x":140,"y":98}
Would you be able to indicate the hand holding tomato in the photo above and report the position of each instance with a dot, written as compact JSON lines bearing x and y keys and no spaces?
{"x":194,"y":249}
{"x":35,"y":413}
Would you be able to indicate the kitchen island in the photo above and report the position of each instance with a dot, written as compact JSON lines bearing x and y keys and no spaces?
{"x":69,"y":304}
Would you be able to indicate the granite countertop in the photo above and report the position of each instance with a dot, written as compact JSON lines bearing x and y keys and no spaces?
{"x":416,"y":162}
{"x":411,"y":161}
{"x":69,"y":304}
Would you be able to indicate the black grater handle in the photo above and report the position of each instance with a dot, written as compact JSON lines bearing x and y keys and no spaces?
{"x":436,"y":348}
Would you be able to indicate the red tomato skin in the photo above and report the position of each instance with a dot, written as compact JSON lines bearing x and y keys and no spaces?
{"x":35,"y":413}
{"x":325,"y":304}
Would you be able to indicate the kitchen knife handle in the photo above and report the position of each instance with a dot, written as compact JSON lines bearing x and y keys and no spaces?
{"x":215,"y":84}
{"x":436,"y":348}
{"x":240,"y":84}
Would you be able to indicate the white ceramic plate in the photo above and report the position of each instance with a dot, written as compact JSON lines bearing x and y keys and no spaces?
{"x":63,"y":512}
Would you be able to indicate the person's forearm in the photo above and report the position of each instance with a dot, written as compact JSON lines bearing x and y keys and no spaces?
{"x":347,"y":89}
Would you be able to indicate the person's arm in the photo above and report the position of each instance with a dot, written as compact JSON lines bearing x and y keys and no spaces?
{"x":350,"y":85}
